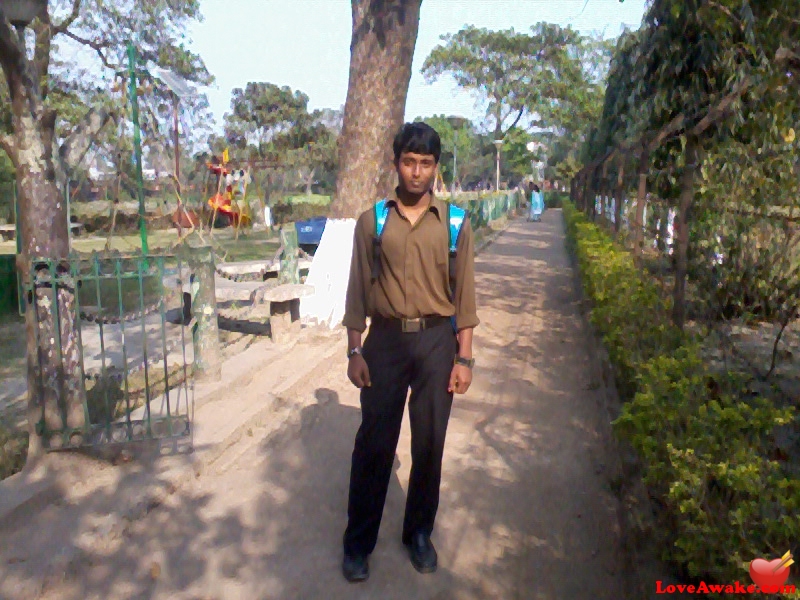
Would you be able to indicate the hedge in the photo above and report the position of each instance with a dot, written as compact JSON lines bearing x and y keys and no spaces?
{"x":723,"y":493}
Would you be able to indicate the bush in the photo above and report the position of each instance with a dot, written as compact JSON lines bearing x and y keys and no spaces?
{"x":553,"y":199}
{"x":316,"y":199}
{"x":287,"y":213}
{"x":634,"y":329}
{"x":706,"y":445}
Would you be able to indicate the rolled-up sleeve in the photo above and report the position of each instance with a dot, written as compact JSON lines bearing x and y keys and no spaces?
{"x":355,"y":308}
{"x":464,"y":296}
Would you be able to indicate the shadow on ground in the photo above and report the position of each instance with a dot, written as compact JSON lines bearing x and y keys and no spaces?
{"x":525,"y":511}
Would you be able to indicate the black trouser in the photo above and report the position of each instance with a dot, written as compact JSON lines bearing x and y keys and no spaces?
{"x":422,"y":361}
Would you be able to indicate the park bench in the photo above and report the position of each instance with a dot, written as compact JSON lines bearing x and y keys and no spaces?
{"x":283,"y":299}
{"x":265,"y":267}
{"x":284,"y":309}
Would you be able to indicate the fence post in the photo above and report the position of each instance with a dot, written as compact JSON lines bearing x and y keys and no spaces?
{"x":207,"y":359}
{"x":289,"y":272}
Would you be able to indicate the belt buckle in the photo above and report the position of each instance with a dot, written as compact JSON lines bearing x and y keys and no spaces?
{"x":411,"y":325}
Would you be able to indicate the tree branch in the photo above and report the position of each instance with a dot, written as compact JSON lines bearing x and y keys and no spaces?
{"x":10,"y":53}
{"x":64,"y":25}
{"x":715,"y":113}
{"x":719,"y":109}
{"x":7,"y":144}
{"x":78,"y":143}
{"x":41,"y":55}
{"x":724,"y":9}
{"x":519,"y":116}
{"x":95,"y":46}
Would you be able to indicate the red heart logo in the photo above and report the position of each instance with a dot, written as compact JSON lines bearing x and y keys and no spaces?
{"x":763,"y":574}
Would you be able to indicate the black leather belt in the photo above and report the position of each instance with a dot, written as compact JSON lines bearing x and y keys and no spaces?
{"x":410,"y":325}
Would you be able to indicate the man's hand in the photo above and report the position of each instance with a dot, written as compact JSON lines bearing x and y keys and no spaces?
{"x":358,"y":371}
{"x":460,"y":378}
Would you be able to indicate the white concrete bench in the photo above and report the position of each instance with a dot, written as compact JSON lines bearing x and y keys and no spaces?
{"x":284,"y":308}
{"x":253,"y":267}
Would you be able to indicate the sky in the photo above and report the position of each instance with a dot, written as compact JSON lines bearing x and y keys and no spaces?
{"x":305,"y":44}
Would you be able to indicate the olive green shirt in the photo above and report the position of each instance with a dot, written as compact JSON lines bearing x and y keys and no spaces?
{"x":414,"y":273}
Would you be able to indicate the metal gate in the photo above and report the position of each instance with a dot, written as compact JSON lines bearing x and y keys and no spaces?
{"x":113,"y":362}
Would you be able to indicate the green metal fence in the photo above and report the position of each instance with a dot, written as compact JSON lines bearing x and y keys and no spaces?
{"x":484,"y":210}
{"x":113,"y":359}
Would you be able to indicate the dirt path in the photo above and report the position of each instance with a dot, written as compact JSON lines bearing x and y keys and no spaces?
{"x":525,"y":512}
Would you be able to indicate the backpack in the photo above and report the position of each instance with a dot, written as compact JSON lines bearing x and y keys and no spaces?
{"x":455,"y":220}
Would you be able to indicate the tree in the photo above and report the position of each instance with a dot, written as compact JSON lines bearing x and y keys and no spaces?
{"x":552,"y":75}
{"x":260,"y":112}
{"x":515,"y":162}
{"x":694,"y":71}
{"x":381,"y":52}
{"x":511,"y":73}
{"x":458,"y":139}
{"x":33,"y":78}
{"x":272,"y":122}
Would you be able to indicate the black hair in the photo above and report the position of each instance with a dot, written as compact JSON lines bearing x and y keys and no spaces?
{"x":419,"y":138}
{"x":535,"y":188}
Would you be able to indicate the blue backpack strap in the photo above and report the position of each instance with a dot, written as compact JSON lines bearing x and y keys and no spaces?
{"x":381,"y":213}
{"x":455,"y":220}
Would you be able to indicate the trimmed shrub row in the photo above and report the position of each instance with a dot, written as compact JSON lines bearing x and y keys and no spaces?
{"x":724,"y":492}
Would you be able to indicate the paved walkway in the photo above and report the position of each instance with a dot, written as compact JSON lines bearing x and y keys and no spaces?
{"x":526,"y":510}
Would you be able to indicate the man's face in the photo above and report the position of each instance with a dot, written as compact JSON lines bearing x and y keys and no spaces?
{"x":416,"y":172}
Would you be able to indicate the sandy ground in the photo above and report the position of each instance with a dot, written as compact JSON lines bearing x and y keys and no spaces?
{"x":526,"y":510}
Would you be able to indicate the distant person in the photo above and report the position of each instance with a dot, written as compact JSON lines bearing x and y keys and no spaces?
{"x":537,"y":203}
{"x":268,"y":216}
{"x":420,"y":338}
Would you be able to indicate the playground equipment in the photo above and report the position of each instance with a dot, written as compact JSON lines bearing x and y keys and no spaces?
{"x":229,"y":206}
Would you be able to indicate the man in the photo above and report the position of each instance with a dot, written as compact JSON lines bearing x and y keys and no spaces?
{"x":412,"y":343}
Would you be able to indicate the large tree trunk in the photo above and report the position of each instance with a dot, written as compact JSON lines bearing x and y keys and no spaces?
{"x":310,"y":181}
{"x":381,"y":53}
{"x":663,"y":227}
{"x":619,"y":195}
{"x":681,"y":227}
{"x":641,"y":198}
{"x":586,"y":193}
{"x":604,"y":191}
{"x":54,"y":370}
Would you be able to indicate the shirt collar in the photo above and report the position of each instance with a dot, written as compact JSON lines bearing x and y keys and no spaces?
{"x":436,"y":205}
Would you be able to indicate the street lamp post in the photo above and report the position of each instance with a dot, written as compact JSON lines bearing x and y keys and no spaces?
{"x":497,"y":144}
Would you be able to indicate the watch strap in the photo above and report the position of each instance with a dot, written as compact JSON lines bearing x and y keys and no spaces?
{"x":467,"y":362}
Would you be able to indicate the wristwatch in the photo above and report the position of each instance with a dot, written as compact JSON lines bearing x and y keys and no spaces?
{"x":353,"y":351}
{"x":466,"y":362}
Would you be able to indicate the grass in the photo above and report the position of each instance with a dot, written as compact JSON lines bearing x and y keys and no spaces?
{"x":251,"y":245}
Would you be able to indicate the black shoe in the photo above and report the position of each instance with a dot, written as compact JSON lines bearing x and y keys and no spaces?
{"x":422,"y":553}
{"x":355,"y":568}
